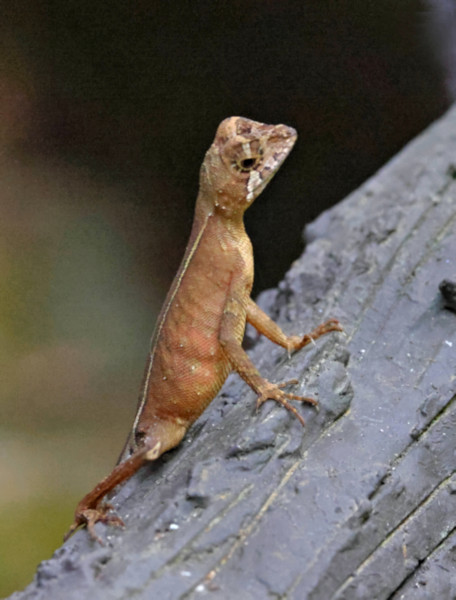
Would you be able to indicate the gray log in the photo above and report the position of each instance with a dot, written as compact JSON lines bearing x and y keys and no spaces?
{"x":362,"y":503}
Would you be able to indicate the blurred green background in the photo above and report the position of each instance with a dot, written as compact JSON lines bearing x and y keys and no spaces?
{"x":72,"y":302}
{"x":106,"y":111}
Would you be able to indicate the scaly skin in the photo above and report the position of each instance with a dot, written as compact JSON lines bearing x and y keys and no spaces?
{"x":199,"y":332}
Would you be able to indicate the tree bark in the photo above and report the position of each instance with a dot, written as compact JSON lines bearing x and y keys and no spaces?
{"x":362,"y":502}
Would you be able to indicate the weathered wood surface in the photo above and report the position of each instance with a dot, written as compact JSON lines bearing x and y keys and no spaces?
{"x":362,"y":503}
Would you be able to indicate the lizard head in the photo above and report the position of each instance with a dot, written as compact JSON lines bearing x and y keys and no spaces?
{"x":243,"y":158}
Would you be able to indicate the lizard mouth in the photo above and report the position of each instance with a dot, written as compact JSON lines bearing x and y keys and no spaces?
{"x":251,"y":153}
{"x":275,"y":146}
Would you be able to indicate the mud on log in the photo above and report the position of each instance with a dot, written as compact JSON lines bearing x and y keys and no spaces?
{"x":362,"y":503}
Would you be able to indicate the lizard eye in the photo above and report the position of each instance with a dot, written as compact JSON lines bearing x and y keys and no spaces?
{"x":244,"y":156}
{"x":247,"y":164}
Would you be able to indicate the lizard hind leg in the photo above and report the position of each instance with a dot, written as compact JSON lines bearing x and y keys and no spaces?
{"x":91,"y":510}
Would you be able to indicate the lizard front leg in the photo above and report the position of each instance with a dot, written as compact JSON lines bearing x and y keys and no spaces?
{"x":232,"y":327}
{"x":270,"y":329}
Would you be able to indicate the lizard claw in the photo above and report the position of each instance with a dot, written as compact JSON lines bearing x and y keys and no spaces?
{"x":273,"y":391}
{"x":91,"y":516}
{"x":288,"y":382}
{"x":309,"y":338}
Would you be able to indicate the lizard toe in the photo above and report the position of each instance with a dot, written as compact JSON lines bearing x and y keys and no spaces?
{"x":90,"y":517}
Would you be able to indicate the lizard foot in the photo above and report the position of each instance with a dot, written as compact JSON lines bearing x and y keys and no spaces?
{"x":273,"y":391}
{"x":90,"y":516}
{"x":299,"y":342}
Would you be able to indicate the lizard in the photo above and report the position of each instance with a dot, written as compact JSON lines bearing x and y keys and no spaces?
{"x":198,"y":336}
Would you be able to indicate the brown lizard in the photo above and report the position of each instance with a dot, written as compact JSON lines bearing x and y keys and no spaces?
{"x":199,"y":332}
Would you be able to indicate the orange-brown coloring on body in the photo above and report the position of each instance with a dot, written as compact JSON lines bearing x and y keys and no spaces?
{"x":198,"y":336}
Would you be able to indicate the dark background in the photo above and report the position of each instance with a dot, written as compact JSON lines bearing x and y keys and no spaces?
{"x":106,"y":111}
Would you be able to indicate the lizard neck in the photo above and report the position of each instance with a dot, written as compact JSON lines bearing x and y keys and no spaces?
{"x":228,"y":210}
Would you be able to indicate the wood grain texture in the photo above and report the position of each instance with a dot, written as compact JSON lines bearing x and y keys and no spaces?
{"x":361,"y":503}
